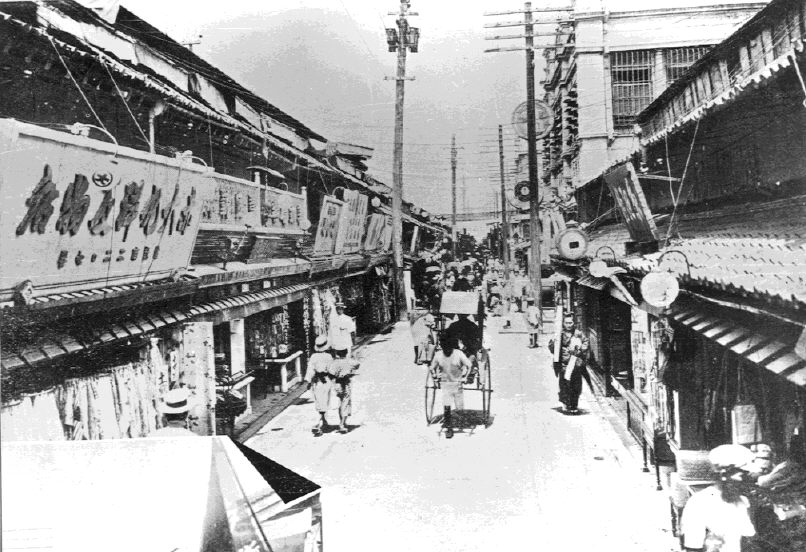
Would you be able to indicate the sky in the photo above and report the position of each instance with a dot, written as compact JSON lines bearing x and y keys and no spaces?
{"x":324,"y":63}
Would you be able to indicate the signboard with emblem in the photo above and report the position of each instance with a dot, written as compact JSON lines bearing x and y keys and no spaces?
{"x":328,"y":229}
{"x":80,"y":214}
{"x":631,"y":202}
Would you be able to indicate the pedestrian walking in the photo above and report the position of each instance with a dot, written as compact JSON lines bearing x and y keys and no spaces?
{"x":319,"y":376}
{"x":342,"y":332}
{"x":450,"y":367}
{"x":569,"y":365}
{"x":344,"y":369}
{"x":422,"y":335}
{"x":533,"y":321}
{"x":175,"y":407}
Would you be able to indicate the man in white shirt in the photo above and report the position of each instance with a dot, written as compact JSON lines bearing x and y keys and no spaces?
{"x":342,"y":332}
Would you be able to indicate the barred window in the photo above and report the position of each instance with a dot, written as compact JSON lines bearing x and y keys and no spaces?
{"x":631,"y":75}
{"x":678,"y":60}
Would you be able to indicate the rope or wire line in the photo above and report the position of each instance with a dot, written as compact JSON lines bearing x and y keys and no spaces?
{"x":125,"y":103}
{"x":669,"y":173}
{"x":672,"y":220}
{"x":70,"y":74}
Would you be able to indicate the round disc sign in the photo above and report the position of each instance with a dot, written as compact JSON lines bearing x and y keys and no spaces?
{"x":572,"y":244}
{"x":660,"y":289}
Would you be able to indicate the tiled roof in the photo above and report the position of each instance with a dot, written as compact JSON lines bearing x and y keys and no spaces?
{"x":754,"y":250}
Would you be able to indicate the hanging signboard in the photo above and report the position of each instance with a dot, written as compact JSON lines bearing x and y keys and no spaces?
{"x":80,"y":214}
{"x":374,"y":234}
{"x":386,"y":236}
{"x":236,"y":203}
{"x":351,"y":230}
{"x":328,"y":230}
{"x":631,"y":202}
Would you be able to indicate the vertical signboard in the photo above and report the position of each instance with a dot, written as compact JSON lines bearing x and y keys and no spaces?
{"x":631,"y":202}
{"x":327,"y":231}
{"x":375,"y":227}
{"x":386,"y":236}
{"x":80,"y":213}
{"x":351,"y":228}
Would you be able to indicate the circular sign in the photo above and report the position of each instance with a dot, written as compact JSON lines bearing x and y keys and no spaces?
{"x":102,"y":179}
{"x":544,"y":119}
{"x":572,"y":244}
{"x":523,"y":191}
{"x":660,"y":289}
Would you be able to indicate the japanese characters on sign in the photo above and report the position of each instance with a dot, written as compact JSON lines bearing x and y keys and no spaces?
{"x":631,"y":202}
{"x":238,"y":203}
{"x":352,"y":226}
{"x":328,"y":229}
{"x":378,"y":232}
{"x":79,"y":213}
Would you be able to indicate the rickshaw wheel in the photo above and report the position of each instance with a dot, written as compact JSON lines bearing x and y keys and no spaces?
{"x":486,"y":386}
{"x":431,"y":388}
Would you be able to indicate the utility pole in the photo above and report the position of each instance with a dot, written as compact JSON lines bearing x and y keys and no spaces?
{"x":402,"y":39}
{"x":531,"y":124}
{"x":531,"y":133}
{"x":191,"y":43}
{"x":453,"y":193}
{"x":504,"y":227}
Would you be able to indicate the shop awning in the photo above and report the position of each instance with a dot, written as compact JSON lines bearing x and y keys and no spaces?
{"x":180,"y":493}
{"x":58,"y":343}
{"x":593,"y":282}
{"x":773,"y":352}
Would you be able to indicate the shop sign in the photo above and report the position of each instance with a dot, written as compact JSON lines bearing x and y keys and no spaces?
{"x":328,"y":230}
{"x":80,"y":213}
{"x":375,"y":227}
{"x":631,"y":202}
{"x":351,"y":231}
{"x":238,"y":203}
{"x":386,"y":237}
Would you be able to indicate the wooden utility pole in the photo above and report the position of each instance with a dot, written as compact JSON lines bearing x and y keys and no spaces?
{"x":453,"y":193}
{"x":531,"y":130}
{"x":531,"y":134}
{"x":504,"y":226}
{"x":401,"y":40}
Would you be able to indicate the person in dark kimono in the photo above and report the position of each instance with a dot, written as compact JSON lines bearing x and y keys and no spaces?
{"x":570,"y":369}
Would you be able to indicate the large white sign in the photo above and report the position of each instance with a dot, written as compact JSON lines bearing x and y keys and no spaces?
{"x":80,"y":213}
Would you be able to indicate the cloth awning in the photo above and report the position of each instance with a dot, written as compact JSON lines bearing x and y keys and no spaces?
{"x":772,"y":352}
{"x":183,"y":493}
{"x":58,"y":343}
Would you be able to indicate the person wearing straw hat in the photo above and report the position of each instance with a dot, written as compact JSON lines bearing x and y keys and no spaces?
{"x":175,"y":407}
{"x":716,"y":519}
{"x":319,"y":376}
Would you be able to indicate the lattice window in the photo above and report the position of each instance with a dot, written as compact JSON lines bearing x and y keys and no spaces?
{"x":678,"y":60}
{"x":631,"y":74}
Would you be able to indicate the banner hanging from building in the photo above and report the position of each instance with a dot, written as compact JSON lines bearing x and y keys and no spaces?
{"x":327,"y":231}
{"x":631,"y":202}
{"x":80,"y":214}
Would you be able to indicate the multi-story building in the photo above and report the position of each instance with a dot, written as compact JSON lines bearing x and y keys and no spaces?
{"x":609,"y":62}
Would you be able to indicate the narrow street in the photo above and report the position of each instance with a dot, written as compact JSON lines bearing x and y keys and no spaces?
{"x":534,"y":478}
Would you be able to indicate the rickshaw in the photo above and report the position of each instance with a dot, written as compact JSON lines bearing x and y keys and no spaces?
{"x":479,"y":378}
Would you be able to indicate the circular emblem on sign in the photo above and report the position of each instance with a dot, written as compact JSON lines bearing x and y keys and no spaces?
{"x":102,"y":179}
{"x":522,"y":191}
{"x":660,"y":289}
{"x":572,"y":244}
